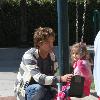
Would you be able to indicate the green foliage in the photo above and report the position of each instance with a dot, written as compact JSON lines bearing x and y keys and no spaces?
{"x":29,"y":2}
{"x":11,"y":2}
{"x":39,"y":14}
{"x":45,"y":1}
{"x":41,"y":2}
{"x":92,"y":86}
{"x":81,"y":1}
{"x":75,"y":0}
{"x":12,"y":18}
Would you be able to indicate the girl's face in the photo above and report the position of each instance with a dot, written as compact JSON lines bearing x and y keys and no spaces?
{"x":76,"y":55}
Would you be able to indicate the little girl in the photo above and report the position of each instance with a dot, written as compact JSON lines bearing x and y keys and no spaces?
{"x":82,"y":65}
{"x":80,"y":60}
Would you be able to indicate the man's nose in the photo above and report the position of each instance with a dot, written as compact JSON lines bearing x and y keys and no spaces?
{"x":51,"y":46}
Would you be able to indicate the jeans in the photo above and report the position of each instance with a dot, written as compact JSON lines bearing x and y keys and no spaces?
{"x":39,"y":92}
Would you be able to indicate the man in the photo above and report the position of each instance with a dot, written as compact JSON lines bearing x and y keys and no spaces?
{"x":38,"y":66}
{"x":96,"y":70}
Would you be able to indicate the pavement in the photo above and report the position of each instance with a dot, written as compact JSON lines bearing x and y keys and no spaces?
{"x":9,"y":63}
{"x":92,"y":96}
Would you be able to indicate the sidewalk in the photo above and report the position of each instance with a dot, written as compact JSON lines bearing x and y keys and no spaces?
{"x":9,"y":63}
{"x":7,"y":83}
{"x":7,"y":80}
{"x":92,"y":96}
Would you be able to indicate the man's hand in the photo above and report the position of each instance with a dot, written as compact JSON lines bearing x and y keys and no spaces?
{"x":66,"y":78}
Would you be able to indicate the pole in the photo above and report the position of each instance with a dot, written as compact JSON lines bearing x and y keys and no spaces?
{"x":63,"y":36}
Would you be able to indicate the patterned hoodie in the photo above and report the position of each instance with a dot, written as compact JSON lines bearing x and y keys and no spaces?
{"x":30,"y":71}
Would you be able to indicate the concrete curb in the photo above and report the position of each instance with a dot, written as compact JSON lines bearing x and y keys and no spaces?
{"x":8,"y":98}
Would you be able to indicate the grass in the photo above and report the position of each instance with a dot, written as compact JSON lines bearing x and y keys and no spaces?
{"x":92,"y":86}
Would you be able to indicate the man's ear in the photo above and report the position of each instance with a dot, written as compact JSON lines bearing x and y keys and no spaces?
{"x":39,"y":43}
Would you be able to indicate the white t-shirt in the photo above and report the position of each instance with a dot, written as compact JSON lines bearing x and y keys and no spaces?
{"x":96,"y":70}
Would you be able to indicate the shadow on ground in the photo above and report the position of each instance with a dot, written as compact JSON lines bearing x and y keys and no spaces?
{"x":94,"y":94}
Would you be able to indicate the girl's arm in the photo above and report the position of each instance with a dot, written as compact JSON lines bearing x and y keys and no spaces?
{"x":82,"y":65}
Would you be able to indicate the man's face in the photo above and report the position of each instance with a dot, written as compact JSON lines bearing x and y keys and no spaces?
{"x":47,"y":45}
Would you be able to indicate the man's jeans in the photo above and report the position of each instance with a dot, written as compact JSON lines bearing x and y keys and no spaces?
{"x":39,"y":92}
